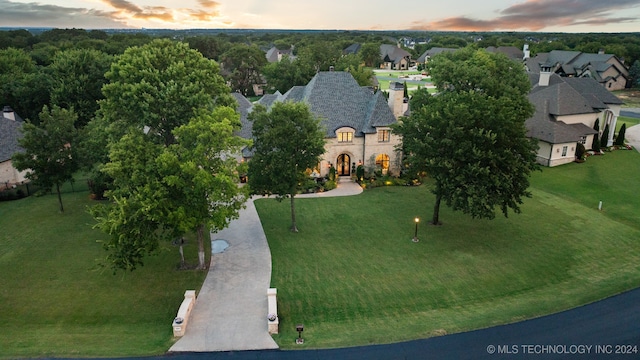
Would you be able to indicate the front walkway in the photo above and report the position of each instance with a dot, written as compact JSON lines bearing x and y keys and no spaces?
{"x":231,"y":309}
{"x":632,"y":136}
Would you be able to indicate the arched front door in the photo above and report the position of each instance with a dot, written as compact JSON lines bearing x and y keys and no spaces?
{"x":343,"y":168}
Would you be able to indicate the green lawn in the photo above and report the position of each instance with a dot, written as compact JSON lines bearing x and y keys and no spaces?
{"x":626,"y":120}
{"x":56,"y":301}
{"x":353,"y":276}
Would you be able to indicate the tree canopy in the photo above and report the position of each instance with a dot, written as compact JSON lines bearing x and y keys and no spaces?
{"x":171,"y":137}
{"x":288,"y":140}
{"x":470,"y":137}
{"x":49,"y":149}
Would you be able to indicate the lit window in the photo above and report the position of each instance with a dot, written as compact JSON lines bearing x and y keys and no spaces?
{"x":345,"y":136}
{"x":384,"y":135}
{"x":382,"y":161}
{"x":564,"y":150}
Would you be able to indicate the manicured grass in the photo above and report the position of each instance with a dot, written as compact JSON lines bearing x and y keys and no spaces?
{"x":352,"y":275}
{"x":56,"y":301}
{"x":626,"y":120}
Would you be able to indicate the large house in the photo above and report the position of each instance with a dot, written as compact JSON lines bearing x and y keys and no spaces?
{"x":428,"y":54}
{"x":606,"y":69}
{"x":395,"y":58}
{"x":10,"y":125}
{"x":565,"y":115}
{"x":356,"y":119}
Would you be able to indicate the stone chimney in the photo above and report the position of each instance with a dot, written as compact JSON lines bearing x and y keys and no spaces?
{"x":545,"y":75}
{"x":397,"y":102}
{"x":8,"y":113}
{"x":526,"y":52}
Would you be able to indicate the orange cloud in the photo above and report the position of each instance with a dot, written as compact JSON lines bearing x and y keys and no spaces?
{"x":136,"y":12}
{"x":536,"y":15}
{"x":208,"y":3}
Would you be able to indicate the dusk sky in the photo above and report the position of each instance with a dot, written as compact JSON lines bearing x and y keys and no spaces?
{"x":448,"y":15}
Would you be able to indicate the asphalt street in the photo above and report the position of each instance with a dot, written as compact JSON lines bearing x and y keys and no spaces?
{"x":607,"y":329}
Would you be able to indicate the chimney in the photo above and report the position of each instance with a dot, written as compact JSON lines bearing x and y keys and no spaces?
{"x":545,"y":75}
{"x":8,"y":113}
{"x":601,"y":51}
{"x":332,"y":68}
{"x":396,"y":99}
{"x":526,"y":52}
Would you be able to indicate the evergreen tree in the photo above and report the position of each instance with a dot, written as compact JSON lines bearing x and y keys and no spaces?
{"x":620,"y":138}
{"x":595,"y":145}
{"x":604,"y":141}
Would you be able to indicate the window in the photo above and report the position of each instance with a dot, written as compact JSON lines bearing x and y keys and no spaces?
{"x":382,"y":161}
{"x":583,"y":140}
{"x":384,"y":135}
{"x":564,"y":150}
{"x":345,"y":137}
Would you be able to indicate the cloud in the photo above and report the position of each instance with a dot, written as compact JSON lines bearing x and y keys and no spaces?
{"x":208,"y":3}
{"x":136,"y":12}
{"x":536,"y":15}
{"x":37,"y":15}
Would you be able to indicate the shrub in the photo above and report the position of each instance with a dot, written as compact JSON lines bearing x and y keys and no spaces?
{"x":330,"y":185}
{"x":605,"y":137}
{"x":620,"y":137}
{"x":360,"y":173}
{"x":332,"y":173}
{"x":580,"y":150}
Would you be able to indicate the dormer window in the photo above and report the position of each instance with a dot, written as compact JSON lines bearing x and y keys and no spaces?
{"x":384,"y":135}
{"x":345,"y":136}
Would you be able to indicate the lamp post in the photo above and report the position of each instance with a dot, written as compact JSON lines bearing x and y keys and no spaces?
{"x":415,"y":234}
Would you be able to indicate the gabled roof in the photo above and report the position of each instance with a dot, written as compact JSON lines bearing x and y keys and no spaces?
{"x":340,"y":102}
{"x":562,"y":100}
{"x":9,"y":135}
{"x":244,"y":107}
{"x":268,"y":99}
{"x":433,"y":51}
{"x":274,"y":54}
{"x":565,"y":96}
{"x":392,"y":53}
{"x":352,"y":49}
{"x":511,"y":52}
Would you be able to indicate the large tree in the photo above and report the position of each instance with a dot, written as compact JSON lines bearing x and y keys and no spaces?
{"x":242,"y":65}
{"x":170,"y":137}
{"x":77,"y":80}
{"x":288,"y":140}
{"x":287,"y":73}
{"x":470,"y":138}
{"x":49,"y":149}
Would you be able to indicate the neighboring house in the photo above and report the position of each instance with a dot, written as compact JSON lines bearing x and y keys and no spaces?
{"x":356,"y":119}
{"x":427,"y":55}
{"x":10,"y":125}
{"x":511,"y":52}
{"x":394,"y":58}
{"x":606,"y":69}
{"x":566,"y":112}
{"x":351,"y":49}
{"x":275,"y":55}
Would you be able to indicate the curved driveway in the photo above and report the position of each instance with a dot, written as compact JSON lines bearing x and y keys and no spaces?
{"x":230,"y":313}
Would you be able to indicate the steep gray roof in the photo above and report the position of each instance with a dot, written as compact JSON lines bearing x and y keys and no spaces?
{"x":9,"y":136}
{"x":511,"y":52}
{"x":339,"y":101}
{"x":269,"y":99}
{"x":244,"y":107}
{"x":562,"y":100}
{"x":352,"y":49}
{"x":392,"y":53}
{"x":433,"y":51}
{"x":565,"y":96}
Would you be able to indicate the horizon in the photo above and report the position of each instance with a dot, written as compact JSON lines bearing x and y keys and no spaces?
{"x":533,"y":16}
